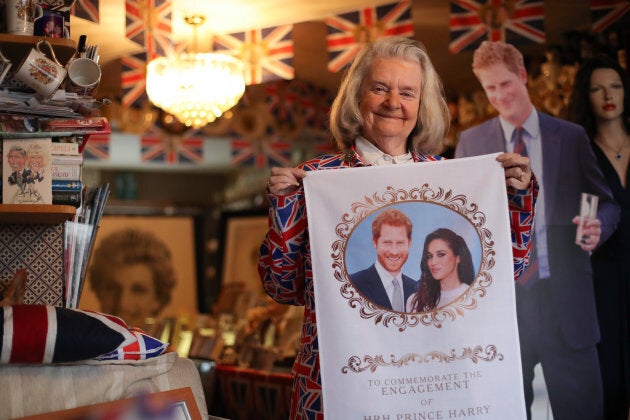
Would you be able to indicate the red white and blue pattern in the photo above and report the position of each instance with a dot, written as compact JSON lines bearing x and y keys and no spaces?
{"x":605,"y":13}
{"x":97,"y":148}
{"x":86,"y":9}
{"x":48,"y":334}
{"x":143,"y":347}
{"x":286,"y":269}
{"x":148,"y":24}
{"x":348,"y":32}
{"x":516,"y":22}
{"x":157,"y":148}
{"x":267,"y":53}
{"x":133,"y":80}
{"x":153,"y":148}
{"x":260,"y":153}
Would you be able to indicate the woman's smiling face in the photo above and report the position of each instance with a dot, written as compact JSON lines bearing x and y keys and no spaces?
{"x":442,"y":261}
{"x":390,"y":99}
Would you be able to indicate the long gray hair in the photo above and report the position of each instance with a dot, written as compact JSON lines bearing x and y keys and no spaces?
{"x":433,"y":115}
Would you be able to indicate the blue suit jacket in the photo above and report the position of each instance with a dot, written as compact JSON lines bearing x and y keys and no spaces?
{"x":569,"y":168}
{"x":369,"y":284}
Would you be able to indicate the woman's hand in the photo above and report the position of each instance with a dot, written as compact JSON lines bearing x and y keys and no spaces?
{"x":518,"y":172}
{"x":591,"y":232}
{"x":284,"y":181}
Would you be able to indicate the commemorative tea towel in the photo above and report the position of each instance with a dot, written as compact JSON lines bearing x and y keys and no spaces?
{"x":458,"y":360}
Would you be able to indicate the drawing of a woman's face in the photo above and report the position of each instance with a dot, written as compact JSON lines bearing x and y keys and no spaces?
{"x":130,"y":293}
{"x":442,"y":261}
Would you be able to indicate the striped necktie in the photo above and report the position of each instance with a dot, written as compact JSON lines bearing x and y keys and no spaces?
{"x":397,"y":299}
{"x":519,"y":143}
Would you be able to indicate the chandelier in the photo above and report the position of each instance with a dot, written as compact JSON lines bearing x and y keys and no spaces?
{"x":195,"y":87}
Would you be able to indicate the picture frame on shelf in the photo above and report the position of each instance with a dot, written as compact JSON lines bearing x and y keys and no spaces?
{"x":167,"y":287}
{"x":241,"y":233}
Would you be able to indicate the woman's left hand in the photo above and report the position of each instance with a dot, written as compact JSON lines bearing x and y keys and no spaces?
{"x":518,"y":172}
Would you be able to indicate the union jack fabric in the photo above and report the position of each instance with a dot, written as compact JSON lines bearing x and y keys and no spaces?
{"x":97,"y":148}
{"x":266,"y":53}
{"x":260,"y":153}
{"x":48,"y":334}
{"x":605,"y":13}
{"x":148,"y":24}
{"x":515,"y":22}
{"x":143,"y":347}
{"x":86,"y":9}
{"x":348,"y":32}
{"x":189,"y":150}
{"x":157,"y":148}
{"x":133,"y":80}
{"x":286,"y":269}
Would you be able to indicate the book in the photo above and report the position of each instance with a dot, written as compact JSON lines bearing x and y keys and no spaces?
{"x":64,"y":148}
{"x":26,"y":171}
{"x":66,"y":185}
{"x":71,"y":198}
{"x":67,"y":159}
{"x":66,"y":172}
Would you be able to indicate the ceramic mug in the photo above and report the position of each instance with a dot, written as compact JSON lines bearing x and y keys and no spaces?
{"x":84,"y":75}
{"x":21,"y":15}
{"x":40,"y":72}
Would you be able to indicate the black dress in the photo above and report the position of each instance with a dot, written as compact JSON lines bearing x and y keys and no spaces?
{"x":611,"y":268}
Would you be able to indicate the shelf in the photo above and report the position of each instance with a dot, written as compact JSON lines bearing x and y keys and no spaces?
{"x":50,"y":214}
{"x":16,"y":47}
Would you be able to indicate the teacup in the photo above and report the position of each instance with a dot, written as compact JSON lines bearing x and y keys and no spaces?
{"x":41,"y":73}
{"x":84,"y":75}
{"x":21,"y":15}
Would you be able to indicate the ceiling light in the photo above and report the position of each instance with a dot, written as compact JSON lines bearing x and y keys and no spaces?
{"x":195,"y":87}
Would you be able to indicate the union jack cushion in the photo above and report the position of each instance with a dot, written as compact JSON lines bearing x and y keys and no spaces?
{"x":143,"y":347}
{"x":48,"y":334}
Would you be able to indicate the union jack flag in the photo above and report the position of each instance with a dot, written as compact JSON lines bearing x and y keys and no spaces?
{"x":86,"y":9}
{"x":148,"y":24}
{"x":260,"y":153}
{"x":515,"y":22}
{"x":349,"y":31}
{"x":133,"y":79}
{"x":172,"y":150}
{"x":155,"y":149}
{"x":189,"y":150}
{"x":266,"y":53}
{"x":97,"y":147}
{"x":606,"y":12}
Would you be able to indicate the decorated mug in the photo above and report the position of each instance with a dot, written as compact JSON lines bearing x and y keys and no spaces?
{"x":42,"y":74}
{"x":21,"y":15}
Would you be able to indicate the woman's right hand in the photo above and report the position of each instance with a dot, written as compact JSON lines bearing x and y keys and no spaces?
{"x":283,"y":181}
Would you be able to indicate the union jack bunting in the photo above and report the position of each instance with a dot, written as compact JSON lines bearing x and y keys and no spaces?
{"x":266,"y":53}
{"x":515,"y":22}
{"x":260,"y":154}
{"x":133,"y":79}
{"x":86,"y":9}
{"x":97,"y":147}
{"x":154,"y":149}
{"x":148,"y":24}
{"x":349,"y":31}
{"x":606,"y":12}
{"x":189,"y":150}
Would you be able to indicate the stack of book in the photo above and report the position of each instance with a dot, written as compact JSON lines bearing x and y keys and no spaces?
{"x":66,"y":169}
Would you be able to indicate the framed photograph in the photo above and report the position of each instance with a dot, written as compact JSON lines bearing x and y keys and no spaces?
{"x":174,"y":404}
{"x":240,"y":236}
{"x":143,"y":267}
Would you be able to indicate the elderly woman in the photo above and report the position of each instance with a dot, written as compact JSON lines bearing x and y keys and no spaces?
{"x":390,"y":109}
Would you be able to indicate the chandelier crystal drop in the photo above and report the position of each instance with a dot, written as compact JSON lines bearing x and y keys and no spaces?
{"x":195,"y":87}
